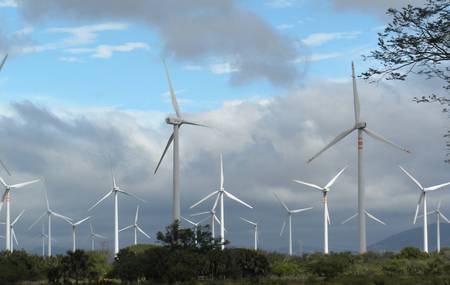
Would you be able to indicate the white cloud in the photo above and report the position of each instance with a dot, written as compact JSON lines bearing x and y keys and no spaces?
{"x":69,"y":59}
{"x":285,"y":26}
{"x":107,"y":51}
{"x":8,"y":4}
{"x":319,"y":57}
{"x":318,"y":39}
{"x":281,"y":3}
{"x":223,"y":68}
{"x":24,"y":31}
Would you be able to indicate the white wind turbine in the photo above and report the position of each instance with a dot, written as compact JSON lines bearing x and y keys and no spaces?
{"x":7,"y":199}
{"x":289,"y":220}
{"x":49,"y":213}
{"x":74,"y":230}
{"x":43,"y":236}
{"x":177,"y":122}
{"x":13,"y":233}
{"x":94,"y":236}
{"x":220,"y":194}
{"x":439,"y":215}
{"x":361,"y":127}
{"x":255,"y":231}
{"x":195,"y":225}
{"x":115,"y":191}
{"x":326,"y":214}
{"x":213,"y":217}
{"x":423,"y":201}
{"x":136,"y":227}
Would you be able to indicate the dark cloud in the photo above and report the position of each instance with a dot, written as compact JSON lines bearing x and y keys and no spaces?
{"x":378,"y":7}
{"x":265,"y":143}
{"x":192,"y":31}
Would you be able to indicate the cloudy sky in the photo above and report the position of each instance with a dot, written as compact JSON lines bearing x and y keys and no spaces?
{"x":272,"y":78}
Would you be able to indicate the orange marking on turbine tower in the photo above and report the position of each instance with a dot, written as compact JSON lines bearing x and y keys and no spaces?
{"x":360,"y":143}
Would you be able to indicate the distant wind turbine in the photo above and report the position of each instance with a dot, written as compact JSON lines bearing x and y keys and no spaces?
{"x":214,"y":219}
{"x":423,"y":202}
{"x":361,"y":127}
{"x":288,"y":219}
{"x":13,"y":233}
{"x":255,"y":231}
{"x":49,"y":212}
{"x":74,"y":231}
{"x":177,"y":122}
{"x":439,"y":215}
{"x":220,"y":194}
{"x":44,"y":237}
{"x":136,"y":227}
{"x":7,"y":199}
{"x":195,"y":224}
{"x":326,"y":214}
{"x":94,"y":236}
{"x":115,"y":191}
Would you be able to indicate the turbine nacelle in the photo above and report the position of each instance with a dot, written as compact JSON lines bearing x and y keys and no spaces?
{"x":360,"y":125}
{"x":174,"y":121}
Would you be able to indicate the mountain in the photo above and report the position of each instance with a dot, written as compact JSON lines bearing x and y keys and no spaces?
{"x":413,"y":237}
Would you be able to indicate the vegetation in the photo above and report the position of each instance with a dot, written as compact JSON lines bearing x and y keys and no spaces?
{"x":179,"y":259}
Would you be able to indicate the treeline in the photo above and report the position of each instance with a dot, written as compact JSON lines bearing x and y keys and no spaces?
{"x":184,"y":256}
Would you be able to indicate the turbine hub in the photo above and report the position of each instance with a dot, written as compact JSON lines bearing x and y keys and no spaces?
{"x":174,"y":121}
{"x":361,"y":125}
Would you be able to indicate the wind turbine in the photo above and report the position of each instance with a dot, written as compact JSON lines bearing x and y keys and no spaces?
{"x":289,"y":220}
{"x":214,"y":219}
{"x":7,"y":198}
{"x":94,"y":236}
{"x":255,"y":231}
{"x":49,"y":212}
{"x":220,"y":193}
{"x":43,"y":236}
{"x":439,"y":215}
{"x":368,"y":215}
{"x":74,"y":230}
{"x":13,"y":233}
{"x":423,"y":201}
{"x":177,"y":122}
{"x":326,"y":215}
{"x":136,"y":227}
{"x":115,"y":191}
{"x":195,"y":225}
{"x":361,"y":127}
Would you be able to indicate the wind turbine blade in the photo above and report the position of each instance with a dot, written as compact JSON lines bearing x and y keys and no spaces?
{"x":231,"y":196}
{"x":132,"y":195}
{"x":282,"y":227}
{"x":281,"y":202}
{"x":13,"y":233}
{"x":100,"y":236}
{"x":300,"y":210}
{"x":334,"y":141}
{"x":189,"y":221}
{"x":82,"y":221}
{"x":199,"y":214}
{"x":349,"y":219}
{"x":221,"y":172}
{"x":418,"y":206}
{"x":374,"y":218}
{"x":439,"y":205}
{"x":46,"y":197}
{"x":3,"y":61}
{"x":142,"y":232}
{"x":172,"y":92}
{"x":335,"y":178}
{"x":91,"y":227}
{"x":250,"y":222}
{"x":101,"y":200}
{"x":444,"y":217}
{"x":355,"y":96}
{"x":20,"y":185}
{"x":126,"y":228}
{"x":164,"y":152}
{"x":204,"y":199}
{"x":137,"y":215}
{"x":436,"y":187}
{"x":36,"y":221}
{"x":215,"y":202}
{"x":202,"y":220}
{"x":67,"y":219}
{"x":194,"y":123}
{"x":412,"y":178}
{"x":216,"y":219}
{"x":5,"y":168}
{"x":308,"y":184}
{"x":380,"y":138}
{"x":17,"y":218}
{"x":3,"y":182}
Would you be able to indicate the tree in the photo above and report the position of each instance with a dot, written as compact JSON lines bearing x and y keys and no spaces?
{"x":416,"y":41}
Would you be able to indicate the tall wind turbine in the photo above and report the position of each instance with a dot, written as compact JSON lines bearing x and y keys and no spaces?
{"x":214,"y":219}
{"x":220,"y":193}
{"x":326,"y":214}
{"x":439,"y":215}
{"x":177,"y":122}
{"x":423,"y":201}
{"x":255,"y":231}
{"x":361,"y":127}
{"x":115,"y":191}
{"x":94,"y":236}
{"x":289,"y":220}
{"x":43,"y":236}
{"x":195,"y":224}
{"x":13,"y":233}
{"x":74,"y":231}
{"x":7,"y":198}
{"x":49,"y":212}
{"x":136,"y":227}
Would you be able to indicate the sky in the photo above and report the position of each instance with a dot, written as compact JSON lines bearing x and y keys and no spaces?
{"x":271,"y":78}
